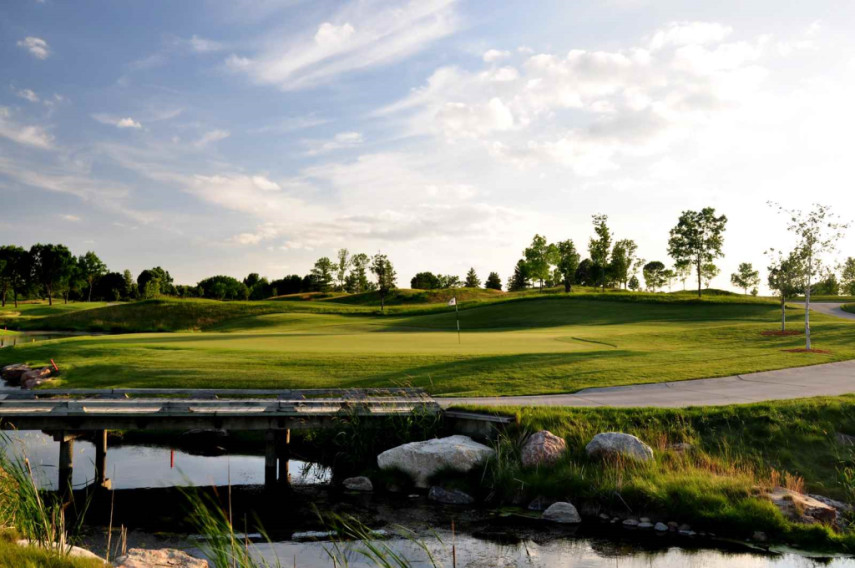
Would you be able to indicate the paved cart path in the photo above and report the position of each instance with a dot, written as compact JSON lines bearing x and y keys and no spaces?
{"x":829,"y":379}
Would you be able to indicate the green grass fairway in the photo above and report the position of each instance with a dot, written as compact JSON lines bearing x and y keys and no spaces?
{"x":531,"y":346}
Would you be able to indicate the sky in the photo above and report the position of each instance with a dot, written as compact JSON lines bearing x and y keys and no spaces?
{"x":237,"y":136}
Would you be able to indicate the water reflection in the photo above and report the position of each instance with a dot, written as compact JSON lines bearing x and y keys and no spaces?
{"x":26,"y":337}
{"x":557,"y":553}
{"x":134,"y":467}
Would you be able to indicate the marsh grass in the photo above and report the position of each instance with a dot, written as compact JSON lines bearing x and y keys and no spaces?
{"x":736,"y":453}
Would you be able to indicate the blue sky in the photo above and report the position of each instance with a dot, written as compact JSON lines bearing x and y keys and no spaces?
{"x":230,"y":137}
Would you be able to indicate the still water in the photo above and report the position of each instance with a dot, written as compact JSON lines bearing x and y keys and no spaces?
{"x":26,"y":337}
{"x":137,"y":467}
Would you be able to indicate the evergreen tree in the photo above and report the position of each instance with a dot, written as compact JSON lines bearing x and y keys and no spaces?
{"x":472,"y":280}
{"x":493,"y":282}
{"x":521,"y":278}
{"x":322,"y":274}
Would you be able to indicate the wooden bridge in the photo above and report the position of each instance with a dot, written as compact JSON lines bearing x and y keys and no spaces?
{"x":69,"y":414}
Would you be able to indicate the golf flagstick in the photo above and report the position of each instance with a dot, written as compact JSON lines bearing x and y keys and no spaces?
{"x":453,"y":302}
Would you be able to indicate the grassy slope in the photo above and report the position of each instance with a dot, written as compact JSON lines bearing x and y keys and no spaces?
{"x":735,"y":449}
{"x":535,"y":345}
{"x":14,"y":556}
{"x":849,"y":308}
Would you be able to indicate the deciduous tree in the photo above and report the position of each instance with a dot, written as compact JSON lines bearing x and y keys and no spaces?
{"x":786,"y":278}
{"x":654,"y":275}
{"x":599,"y":247}
{"x":817,"y":232}
{"x":568,"y":262}
{"x":384,"y":272}
{"x":91,"y":268}
{"x":342,"y":264}
{"x":539,"y":257}
{"x":745,"y":277}
{"x":697,"y":239}
{"x":623,"y":260}
{"x":51,"y":266}
{"x":847,"y":276}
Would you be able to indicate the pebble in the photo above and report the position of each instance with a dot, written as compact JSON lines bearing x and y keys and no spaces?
{"x":630,"y":523}
{"x":645,"y":525}
{"x":660,"y":527}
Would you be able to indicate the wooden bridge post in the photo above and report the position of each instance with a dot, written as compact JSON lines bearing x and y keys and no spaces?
{"x":283,"y":451}
{"x":66,"y":463}
{"x":101,"y":480}
{"x":270,"y":459}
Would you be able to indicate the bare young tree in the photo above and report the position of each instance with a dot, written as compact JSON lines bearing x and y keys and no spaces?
{"x":817,"y":232}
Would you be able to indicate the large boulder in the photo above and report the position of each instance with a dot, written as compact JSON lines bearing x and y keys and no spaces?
{"x":618,"y":444}
{"x":542,"y":448}
{"x":33,"y":378}
{"x":421,"y":460}
{"x":160,"y":558}
{"x":562,"y":512}
{"x":12,"y":373}
{"x":802,"y":508}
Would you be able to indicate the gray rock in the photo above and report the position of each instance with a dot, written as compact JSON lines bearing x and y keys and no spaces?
{"x":839,"y":505}
{"x":542,"y":448}
{"x":35,"y":377}
{"x":759,"y":536}
{"x":360,"y":483}
{"x":614,"y":444}
{"x":673,"y":526}
{"x":645,"y":525}
{"x":630,"y":523}
{"x":12,"y":373}
{"x":686,"y":533}
{"x":684,"y":527}
{"x":449,"y":497}
{"x":161,"y":558}
{"x":660,"y":527}
{"x":562,"y":512}
{"x":604,"y":517}
{"x":644,"y":520}
{"x":844,"y":439}
{"x":420,"y":460}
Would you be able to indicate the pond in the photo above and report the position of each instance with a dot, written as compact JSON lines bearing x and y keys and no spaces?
{"x":25,"y":337}
{"x":483,"y":539}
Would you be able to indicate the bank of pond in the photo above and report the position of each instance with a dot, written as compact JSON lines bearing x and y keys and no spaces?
{"x":706,"y":495}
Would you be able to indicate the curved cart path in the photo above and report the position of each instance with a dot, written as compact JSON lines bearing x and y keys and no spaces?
{"x":828,"y":379}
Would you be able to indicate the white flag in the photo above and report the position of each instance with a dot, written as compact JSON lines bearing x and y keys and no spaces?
{"x":452,"y":302}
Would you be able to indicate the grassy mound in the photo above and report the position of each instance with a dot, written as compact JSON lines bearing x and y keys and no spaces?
{"x":849,"y":308}
{"x":714,"y":485}
{"x":405,"y":296}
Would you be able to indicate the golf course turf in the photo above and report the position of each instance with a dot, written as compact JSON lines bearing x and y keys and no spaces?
{"x":532,"y":344}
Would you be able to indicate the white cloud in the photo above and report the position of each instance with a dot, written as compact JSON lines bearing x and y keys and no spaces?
{"x":492,"y":55}
{"x":340,"y":141}
{"x":360,"y":36}
{"x":626,"y":103}
{"x":677,"y":34}
{"x":27,"y":135}
{"x":128,"y":122}
{"x":211,"y":136}
{"x":202,"y":45}
{"x":117,"y":121}
{"x":37,"y":47}
{"x":29,"y":95}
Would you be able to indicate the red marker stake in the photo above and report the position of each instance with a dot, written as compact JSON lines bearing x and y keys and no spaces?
{"x":171,"y":459}
{"x":55,"y":368}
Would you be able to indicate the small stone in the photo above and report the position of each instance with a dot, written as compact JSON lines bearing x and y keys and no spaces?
{"x":673,"y":526}
{"x":630,"y":523}
{"x":644,"y":520}
{"x":759,"y":536}
{"x":360,"y":483}
{"x":562,"y":512}
{"x":684,"y":527}
{"x":539,"y":504}
{"x":686,"y":533}
{"x":645,"y":525}
{"x":660,"y":527}
{"x":413,"y":495}
{"x":615,"y":520}
{"x":604,"y":517}
{"x":449,"y":497}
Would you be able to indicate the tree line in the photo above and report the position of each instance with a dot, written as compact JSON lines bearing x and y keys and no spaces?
{"x":51,"y":271}
{"x":695,"y":242}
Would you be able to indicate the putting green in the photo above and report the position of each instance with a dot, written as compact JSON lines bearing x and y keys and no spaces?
{"x":535,"y":346}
